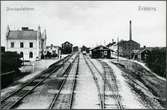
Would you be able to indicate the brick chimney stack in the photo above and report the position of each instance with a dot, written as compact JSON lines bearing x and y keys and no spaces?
{"x":130,"y":30}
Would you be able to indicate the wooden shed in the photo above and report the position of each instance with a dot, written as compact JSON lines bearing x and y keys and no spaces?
{"x":140,"y":54}
{"x":101,"y":52}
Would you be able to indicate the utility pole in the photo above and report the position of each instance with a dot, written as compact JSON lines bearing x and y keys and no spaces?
{"x":117,"y":49}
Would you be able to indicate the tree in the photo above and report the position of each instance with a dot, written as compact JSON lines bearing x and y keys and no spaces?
{"x":156,"y":61}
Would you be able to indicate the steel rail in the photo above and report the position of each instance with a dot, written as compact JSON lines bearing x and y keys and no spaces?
{"x":106,"y":66}
{"x":62,"y":84}
{"x":97,"y":85}
{"x":13,"y":103}
{"x":106,"y":82}
{"x":24,"y":85}
{"x":48,"y":70}
{"x":74,"y":83}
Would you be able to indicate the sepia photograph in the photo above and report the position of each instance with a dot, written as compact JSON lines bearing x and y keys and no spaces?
{"x":83,"y":55}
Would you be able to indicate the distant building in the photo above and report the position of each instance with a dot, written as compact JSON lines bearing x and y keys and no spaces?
{"x":67,"y":48}
{"x":141,"y":54}
{"x":85,"y":49}
{"x":126,"y":47}
{"x":101,"y":52}
{"x":75,"y":49}
{"x":54,"y":50}
{"x":28,"y":42}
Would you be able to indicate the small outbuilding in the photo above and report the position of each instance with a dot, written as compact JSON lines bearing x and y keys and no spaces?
{"x":141,"y":54}
{"x":101,"y":52}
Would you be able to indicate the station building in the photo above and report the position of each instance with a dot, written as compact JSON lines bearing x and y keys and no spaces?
{"x":101,"y":52}
{"x":28,"y":42}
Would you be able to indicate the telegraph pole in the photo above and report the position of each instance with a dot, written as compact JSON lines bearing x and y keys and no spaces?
{"x":117,"y":49}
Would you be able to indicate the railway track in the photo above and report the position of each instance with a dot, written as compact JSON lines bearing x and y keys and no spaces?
{"x":74,"y":83}
{"x":63,"y":99}
{"x":101,"y":95}
{"x":15,"y":97}
{"x":110,"y":88}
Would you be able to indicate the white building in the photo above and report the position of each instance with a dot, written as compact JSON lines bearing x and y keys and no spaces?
{"x":27,"y":42}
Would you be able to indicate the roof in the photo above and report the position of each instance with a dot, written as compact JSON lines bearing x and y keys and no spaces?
{"x":66,"y":42}
{"x":101,"y":47}
{"x":22,"y":35}
{"x":84,"y":47}
{"x":110,"y":44}
{"x":123,"y":41}
{"x":133,"y":41}
{"x":139,"y":51}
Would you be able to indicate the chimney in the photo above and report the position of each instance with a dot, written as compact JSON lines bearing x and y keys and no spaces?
{"x":130,"y":30}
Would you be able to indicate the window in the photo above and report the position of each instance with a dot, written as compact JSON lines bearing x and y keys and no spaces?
{"x":12,"y":44}
{"x":21,"y":45}
{"x":31,"y":45}
{"x":21,"y":53}
{"x":30,"y":55}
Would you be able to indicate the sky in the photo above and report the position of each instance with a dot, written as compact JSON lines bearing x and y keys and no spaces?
{"x":88,"y":23}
